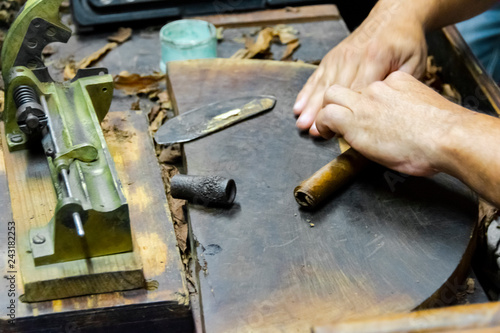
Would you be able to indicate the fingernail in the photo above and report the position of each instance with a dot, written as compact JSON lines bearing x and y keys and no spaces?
{"x":298,"y":105}
{"x":302,"y":121}
{"x":314,"y":131}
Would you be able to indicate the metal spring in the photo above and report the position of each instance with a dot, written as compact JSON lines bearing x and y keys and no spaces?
{"x":24,"y":94}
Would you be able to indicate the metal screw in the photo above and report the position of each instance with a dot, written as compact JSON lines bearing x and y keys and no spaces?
{"x":39,"y":239}
{"x":51,"y":31}
{"x":16,"y":138}
{"x":32,"y":43}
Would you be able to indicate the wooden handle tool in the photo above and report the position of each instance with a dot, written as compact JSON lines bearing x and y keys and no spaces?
{"x":327,"y":180}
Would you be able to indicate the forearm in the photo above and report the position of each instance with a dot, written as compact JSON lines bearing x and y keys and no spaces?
{"x":431,"y":14}
{"x":471,"y":152}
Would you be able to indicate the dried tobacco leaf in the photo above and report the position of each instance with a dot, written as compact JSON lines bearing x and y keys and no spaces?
{"x":121,"y":36}
{"x":71,"y":68}
{"x":96,"y":56}
{"x":133,"y":84}
{"x":290,"y":49}
{"x":153,"y":113}
{"x":286,"y":34}
{"x":170,"y":154}
{"x":261,"y":45}
{"x":433,"y":79}
{"x":136,"y":106}
{"x":176,"y":208}
{"x":158,"y":121}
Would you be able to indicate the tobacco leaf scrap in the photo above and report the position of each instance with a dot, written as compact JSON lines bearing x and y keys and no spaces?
{"x":121,"y":36}
{"x":133,"y":84}
{"x":285,"y":34}
{"x":433,"y":78}
{"x":96,"y":56}
{"x":71,"y":68}
{"x":290,"y":49}
{"x":158,"y":121}
{"x":153,"y":112}
{"x":262,"y":44}
{"x":136,"y":106}
{"x":170,"y":154}
{"x":176,"y":208}
{"x":8,"y":11}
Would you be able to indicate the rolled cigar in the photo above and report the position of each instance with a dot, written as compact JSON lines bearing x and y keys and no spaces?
{"x":206,"y":191}
{"x":327,"y":180}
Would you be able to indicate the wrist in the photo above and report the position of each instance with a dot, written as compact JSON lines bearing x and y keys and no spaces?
{"x":410,"y":13}
{"x":451,"y":140}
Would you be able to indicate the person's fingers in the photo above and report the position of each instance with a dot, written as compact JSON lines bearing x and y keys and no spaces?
{"x":412,"y":67}
{"x":341,"y":96}
{"x":306,"y":92}
{"x":313,"y":131}
{"x":402,"y":81}
{"x":314,"y":104}
{"x":333,"y":119}
{"x":369,"y":72}
{"x":416,"y":65}
{"x":346,"y":73}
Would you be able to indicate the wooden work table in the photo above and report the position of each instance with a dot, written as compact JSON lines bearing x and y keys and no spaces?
{"x":141,"y":55}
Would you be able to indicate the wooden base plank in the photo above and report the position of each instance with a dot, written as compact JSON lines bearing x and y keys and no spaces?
{"x":163,"y":303}
{"x":33,"y":200}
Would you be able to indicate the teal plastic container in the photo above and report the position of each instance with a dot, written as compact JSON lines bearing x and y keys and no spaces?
{"x":187,"y":39}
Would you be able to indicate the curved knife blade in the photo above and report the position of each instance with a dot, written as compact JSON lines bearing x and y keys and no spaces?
{"x":211,"y":118}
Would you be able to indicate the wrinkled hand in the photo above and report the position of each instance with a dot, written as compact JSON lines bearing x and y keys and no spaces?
{"x":399,"y":122}
{"x":382,"y":44}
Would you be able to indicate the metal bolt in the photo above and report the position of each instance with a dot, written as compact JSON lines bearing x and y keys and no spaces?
{"x":39,"y":239}
{"x":16,"y":138}
{"x":51,"y":31}
{"x":32,"y":43}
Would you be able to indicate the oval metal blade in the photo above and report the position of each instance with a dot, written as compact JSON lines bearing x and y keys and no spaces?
{"x":211,"y":118}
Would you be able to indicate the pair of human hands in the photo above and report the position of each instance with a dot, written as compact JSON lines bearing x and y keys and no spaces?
{"x":392,"y":119}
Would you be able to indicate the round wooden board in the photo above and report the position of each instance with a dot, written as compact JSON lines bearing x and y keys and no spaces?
{"x":387,"y":243}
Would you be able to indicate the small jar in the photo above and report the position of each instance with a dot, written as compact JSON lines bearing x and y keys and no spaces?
{"x":187,"y":39}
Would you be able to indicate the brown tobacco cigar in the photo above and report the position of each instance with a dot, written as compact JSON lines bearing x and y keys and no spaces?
{"x":327,"y":180}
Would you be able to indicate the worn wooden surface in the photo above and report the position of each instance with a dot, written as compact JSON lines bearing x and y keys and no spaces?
{"x":449,"y":319}
{"x":274,"y":16}
{"x":163,"y":304}
{"x":387,"y":243}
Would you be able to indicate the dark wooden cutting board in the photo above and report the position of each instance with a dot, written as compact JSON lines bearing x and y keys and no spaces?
{"x":386,"y":243}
